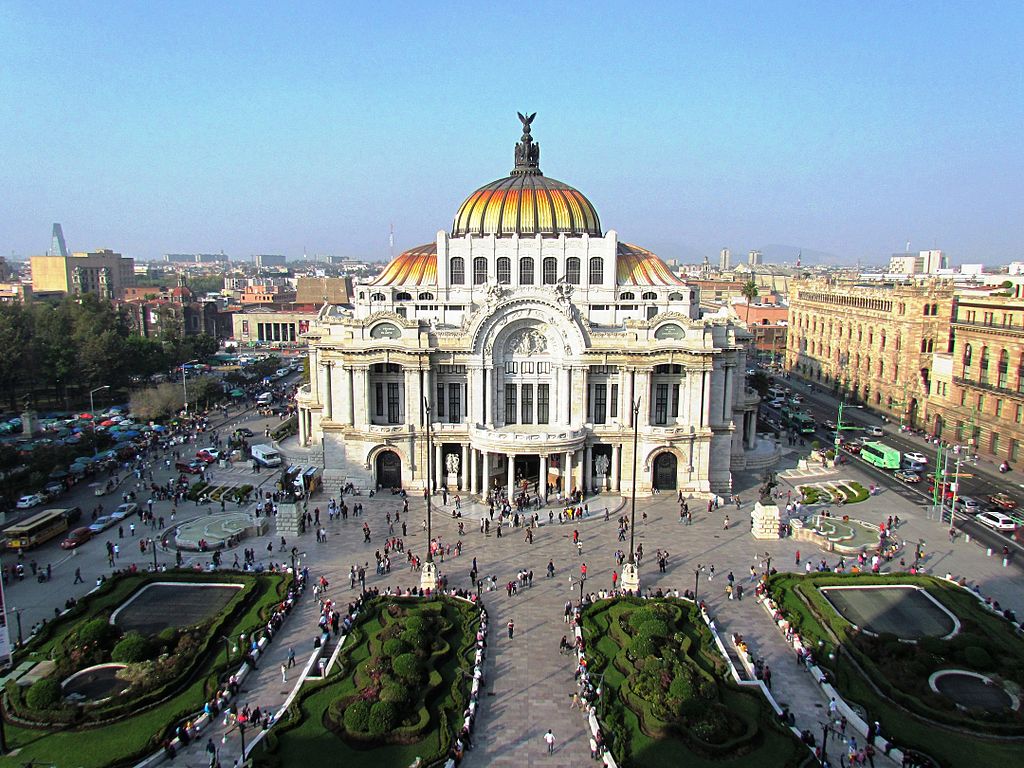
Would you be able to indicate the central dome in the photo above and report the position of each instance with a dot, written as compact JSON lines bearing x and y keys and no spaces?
{"x":526,"y":202}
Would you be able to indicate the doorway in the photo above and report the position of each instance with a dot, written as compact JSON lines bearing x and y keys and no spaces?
{"x":389,"y":470}
{"x":665,"y":472}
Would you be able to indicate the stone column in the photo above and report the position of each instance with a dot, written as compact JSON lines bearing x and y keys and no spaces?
{"x":344,"y":414}
{"x":566,"y":473}
{"x":328,"y":412}
{"x":542,"y":480}
{"x":303,"y":437}
{"x":616,"y":459}
{"x":627,"y":407}
{"x":489,"y":378}
{"x":510,"y":460}
{"x":583,"y":374}
{"x":485,"y":471}
{"x":643,"y":386}
{"x":705,"y":395}
{"x":410,"y":403}
{"x":438,"y":469}
{"x":726,"y":392}
{"x":473,"y":480}
{"x":465,"y":467}
{"x":588,"y":455}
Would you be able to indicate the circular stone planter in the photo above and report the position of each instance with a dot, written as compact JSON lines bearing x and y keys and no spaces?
{"x":94,"y":684}
{"x":969,"y":690}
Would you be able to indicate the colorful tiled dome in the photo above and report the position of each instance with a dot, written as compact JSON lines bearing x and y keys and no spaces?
{"x":526,"y":202}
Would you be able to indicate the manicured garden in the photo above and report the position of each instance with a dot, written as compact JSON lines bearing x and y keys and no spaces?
{"x":399,"y":693}
{"x":845,"y":491}
{"x":889,"y":678}
{"x":167,"y":676}
{"x":667,"y":698}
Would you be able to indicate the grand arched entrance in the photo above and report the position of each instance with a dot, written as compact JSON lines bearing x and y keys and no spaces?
{"x":389,"y":470}
{"x":665,"y":472}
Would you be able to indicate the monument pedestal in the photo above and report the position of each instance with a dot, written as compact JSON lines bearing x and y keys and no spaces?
{"x":630,"y":579}
{"x":428,"y":577}
{"x":290,"y":518}
{"x":766,"y":521}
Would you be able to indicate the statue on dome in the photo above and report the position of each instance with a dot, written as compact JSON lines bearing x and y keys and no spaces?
{"x":527,"y":152}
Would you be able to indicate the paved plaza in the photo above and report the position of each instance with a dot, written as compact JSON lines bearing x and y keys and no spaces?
{"x":528,"y":683}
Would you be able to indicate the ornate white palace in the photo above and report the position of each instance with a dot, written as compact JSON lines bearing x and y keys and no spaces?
{"x":524,"y":336}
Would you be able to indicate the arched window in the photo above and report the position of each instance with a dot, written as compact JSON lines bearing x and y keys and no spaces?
{"x":1003,"y":370}
{"x":967,"y":358}
{"x":881,"y":341}
{"x":504,"y":269}
{"x":550,"y":271}
{"x":627,"y":296}
{"x":983,"y":367}
{"x":596,"y":270}
{"x":675,"y":297}
{"x":479,"y":270}
{"x":426,"y":297}
{"x":378,"y":297}
{"x":526,"y":271}
{"x":572,"y":270}
{"x":649,"y":296}
{"x":403,"y":296}
{"x":457,"y":270}
{"x":935,"y":310}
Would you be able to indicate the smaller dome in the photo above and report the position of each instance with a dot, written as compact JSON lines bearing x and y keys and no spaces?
{"x":417,"y":266}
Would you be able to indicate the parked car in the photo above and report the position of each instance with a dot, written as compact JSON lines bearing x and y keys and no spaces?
{"x":995,"y":520}
{"x":905,"y":476}
{"x":917,"y":458}
{"x":209,"y":455}
{"x":76,"y":538}
{"x":102,"y":523}
{"x":30,"y":500}
{"x":190,"y":467}
{"x":1002,"y":501}
{"x":54,"y":489}
{"x":124,"y":511}
{"x":244,"y":432}
{"x":875,"y":431}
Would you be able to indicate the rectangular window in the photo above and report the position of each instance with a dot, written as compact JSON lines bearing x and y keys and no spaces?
{"x":1020,"y":413}
{"x":963,"y":397}
{"x":527,"y":402}
{"x":543,"y":367}
{"x":600,"y":403}
{"x":379,"y":398}
{"x":440,"y":400}
{"x":542,"y":403}
{"x":394,"y":415}
{"x":527,"y":367}
{"x":613,"y":410}
{"x":675,"y":400}
{"x":661,"y":404}
{"x":510,"y":403}
{"x":999,"y":407}
{"x":959,"y":431}
{"x":510,"y":367}
{"x":454,"y":403}
{"x":981,"y":403}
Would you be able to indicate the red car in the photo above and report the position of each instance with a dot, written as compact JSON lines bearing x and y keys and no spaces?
{"x":947,"y":491}
{"x":191,"y":467}
{"x":76,"y":538}
{"x":206,"y":456}
{"x":1002,"y":501}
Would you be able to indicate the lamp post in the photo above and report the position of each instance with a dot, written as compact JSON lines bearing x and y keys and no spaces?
{"x":92,"y":406}
{"x":17,"y":615}
{"x":152,"y":544}
{"x":839,"y":423}
{"x":428,"y":579}
{"x":696,"y":579}
{"x":184,"y":386}
{"x":241,"y":733}
{"x":630,"y":572}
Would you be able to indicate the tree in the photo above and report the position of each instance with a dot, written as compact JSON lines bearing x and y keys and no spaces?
{"x":749,"y":291}
{"x":14,"y":341}
{"x":204,"y":390}
{"x":155,"y":403}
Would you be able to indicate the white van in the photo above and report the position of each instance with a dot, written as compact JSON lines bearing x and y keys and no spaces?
{"x":265,"y":399}
{"x":266,"y":455}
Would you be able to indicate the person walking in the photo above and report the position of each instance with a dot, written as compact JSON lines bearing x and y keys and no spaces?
{"x":78,"y":576}
{"x":549,"y":739}
{"x":511,"y":628}
{"x":284,"y":674}
{"x":291,"y":657}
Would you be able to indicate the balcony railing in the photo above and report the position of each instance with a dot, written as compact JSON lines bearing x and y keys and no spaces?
{"x":1011,"y":328}
{"x":988,"y":386}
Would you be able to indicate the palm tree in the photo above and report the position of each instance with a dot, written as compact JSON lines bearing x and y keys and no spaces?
{"x":749,"y":292}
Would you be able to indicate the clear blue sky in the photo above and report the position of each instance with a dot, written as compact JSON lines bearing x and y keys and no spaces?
{"x":848,"y":128}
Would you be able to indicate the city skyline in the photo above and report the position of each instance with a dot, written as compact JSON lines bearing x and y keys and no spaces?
{"x":199,"y":129}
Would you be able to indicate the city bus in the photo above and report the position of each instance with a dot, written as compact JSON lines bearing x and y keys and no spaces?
{"x":37,"y":529}
{"x":803,"y":423}
{"x":881,"y":456}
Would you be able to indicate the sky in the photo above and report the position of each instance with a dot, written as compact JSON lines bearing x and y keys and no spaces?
{"x":844,"y":128}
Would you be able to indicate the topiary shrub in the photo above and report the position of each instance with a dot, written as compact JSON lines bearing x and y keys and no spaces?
{"x":416,"y":624}
{"x":44,"y":694}
{"x":395,"y":693}
{"x":394,"y":647}
{"x":416,"y":639}
{"x":357,"y":716}
{"x":653,"y":627}
{"x":639,"y":616}
{"x":681,"y":687}
{"x":977,"y":657}
{"x":406,"y":666}
{"x":98,"y":631}
{"x":642,"y":646}
{"x":933,"y":645}
{"x":132,"y":648}
{"x":383,"y":717}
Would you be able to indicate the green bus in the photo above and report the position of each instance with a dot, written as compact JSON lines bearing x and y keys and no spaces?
{"x":803,"y":423}
{"x":881,"y":456}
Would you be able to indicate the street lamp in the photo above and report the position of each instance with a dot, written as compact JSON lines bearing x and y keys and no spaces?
{"x":428,"y":580}
{"x":152,"y":544}
{"x":92,"y":406}
{"x":184,"y":386}
{"x":630,"y":572}
{"x":696,"y":579}
{"x":17,"y":614}
{"x":839,"y":423}
{"x":241,"y":733}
